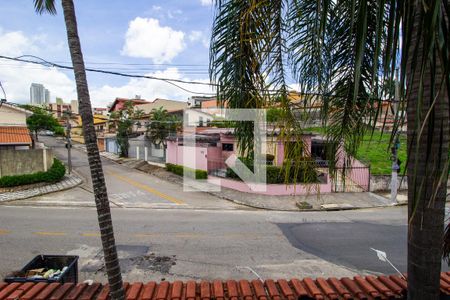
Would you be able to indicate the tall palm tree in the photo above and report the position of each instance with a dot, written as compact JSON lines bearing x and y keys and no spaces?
{"x":342,"y":53}
{"x":95,"y":164}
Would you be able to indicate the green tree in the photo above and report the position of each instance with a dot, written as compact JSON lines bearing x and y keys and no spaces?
{"x":347,"y":52}
{"x":161,"y":125}
{"x":123,"y":120}
{"x":95,"y":164}
{"x":42,"y":120}
{"x":124,"y":130}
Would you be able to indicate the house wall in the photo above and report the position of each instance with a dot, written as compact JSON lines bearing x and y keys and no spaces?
{"x":279,"y":151}
{"x":193,"y":117}
{"x":12,"y":117}
{"x":18,"y":162}
{"x":214,"y":158}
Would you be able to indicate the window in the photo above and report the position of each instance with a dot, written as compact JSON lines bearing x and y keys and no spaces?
{"x":227,"y":147}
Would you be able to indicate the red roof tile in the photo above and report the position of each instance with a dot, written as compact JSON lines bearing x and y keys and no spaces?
{"x":368,"y":287}
{"x":15,"y":135}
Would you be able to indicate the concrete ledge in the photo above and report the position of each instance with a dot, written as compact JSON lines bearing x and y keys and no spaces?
{"x":68,"y":181}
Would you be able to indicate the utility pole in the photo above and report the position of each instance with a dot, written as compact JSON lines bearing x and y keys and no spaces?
{"x":68,"y":141}
{"x":396,"y":146}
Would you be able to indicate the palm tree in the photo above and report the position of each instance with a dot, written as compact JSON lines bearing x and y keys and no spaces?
{"x":161,"y":125}
{"x":95,"y":164}
{"x":342,"y":53}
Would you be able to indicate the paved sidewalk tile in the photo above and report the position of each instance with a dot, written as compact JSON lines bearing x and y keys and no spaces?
{"x":69,"y":181}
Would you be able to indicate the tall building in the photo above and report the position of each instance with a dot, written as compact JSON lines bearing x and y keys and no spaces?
{"x":47,"y":96}
{"x":74,"y":106}
{"x":37,"y":94}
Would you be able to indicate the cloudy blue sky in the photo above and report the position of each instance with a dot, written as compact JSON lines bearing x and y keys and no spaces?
{"x":161,"y":38}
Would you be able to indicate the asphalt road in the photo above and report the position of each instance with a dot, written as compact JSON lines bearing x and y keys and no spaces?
{"x":127,"y":187}
{"x":196,"y":244}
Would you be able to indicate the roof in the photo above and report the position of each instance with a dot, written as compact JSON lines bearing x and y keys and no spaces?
{"x":98,"y":119}
{"x":121,"y":100}
{"x":169,"y":105}
{"x":14,"y":135}
{"x":15,"y":107}
{"x":369,"y":287}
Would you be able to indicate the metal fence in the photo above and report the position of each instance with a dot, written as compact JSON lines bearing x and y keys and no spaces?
{"x":351,"y":179}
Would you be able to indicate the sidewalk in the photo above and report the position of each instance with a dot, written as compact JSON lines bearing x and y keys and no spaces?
{"x":312,"y":202}
{"x":331,"y":201}
{"x":68,"y":181}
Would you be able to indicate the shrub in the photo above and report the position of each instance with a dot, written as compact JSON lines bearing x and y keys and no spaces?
{"x":178,"y":169}
{"x":277,"y":174}
{"x":54,"y":174}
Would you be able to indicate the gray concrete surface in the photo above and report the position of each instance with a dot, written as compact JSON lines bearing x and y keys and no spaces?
{"x":67,"y":182}
{"x":127,"y":187}
{"x":208,"y":244}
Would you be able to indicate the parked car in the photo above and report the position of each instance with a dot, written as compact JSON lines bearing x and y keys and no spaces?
{"x":47,"y":133}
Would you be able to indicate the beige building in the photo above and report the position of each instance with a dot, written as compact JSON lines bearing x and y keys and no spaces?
{"x":169,"y":105}
{"x":11,"y":115}
{"x":14,"y":133}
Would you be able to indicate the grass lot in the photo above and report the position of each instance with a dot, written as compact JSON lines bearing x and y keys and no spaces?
{"x":375,"y":151}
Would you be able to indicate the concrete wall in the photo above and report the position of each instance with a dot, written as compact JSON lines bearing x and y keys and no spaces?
{"x":383,"y":183}
{"x":17,"y":162}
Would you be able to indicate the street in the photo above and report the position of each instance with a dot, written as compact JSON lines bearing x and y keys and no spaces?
{"x":191,"y":244}
{"x":126,"y":187}
{"x":194,"y":235}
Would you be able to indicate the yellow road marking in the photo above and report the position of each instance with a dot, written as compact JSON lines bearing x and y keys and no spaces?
{"x":146,"y":234}
{"x":146,"y":188}
{"x":49,"y":233}
{"x":90,"y":234}
{"x":4,"y":231}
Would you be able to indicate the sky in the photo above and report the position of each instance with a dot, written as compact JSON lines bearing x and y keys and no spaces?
{"x":159,"y":38}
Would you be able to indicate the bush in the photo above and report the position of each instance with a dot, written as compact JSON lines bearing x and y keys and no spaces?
{"x":178,"y":169}
{"x":54,"y":174}
{"x":277,"y":175}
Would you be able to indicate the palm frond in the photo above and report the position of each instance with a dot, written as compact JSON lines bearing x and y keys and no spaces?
{"x":45,"y":6}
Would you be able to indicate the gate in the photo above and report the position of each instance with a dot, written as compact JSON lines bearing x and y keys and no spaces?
{"x":351,"y":179}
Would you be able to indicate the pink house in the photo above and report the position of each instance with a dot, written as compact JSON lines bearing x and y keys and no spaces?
{"x":213,"y":146}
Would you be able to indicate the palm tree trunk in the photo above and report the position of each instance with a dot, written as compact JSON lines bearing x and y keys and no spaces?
{"x":427,"y":166}
{"x":95,"y":164}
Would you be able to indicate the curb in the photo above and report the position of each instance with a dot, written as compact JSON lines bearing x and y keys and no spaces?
{"x":42,"y":190}
{"x":249,"y":205}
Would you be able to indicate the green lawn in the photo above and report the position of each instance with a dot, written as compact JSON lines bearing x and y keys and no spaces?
{"x":375,"y":151}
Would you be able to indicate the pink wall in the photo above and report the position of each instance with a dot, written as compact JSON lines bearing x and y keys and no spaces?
{"x":274,"y":189}
{"x":175,"y":156}
{"x":359,"y":174}
{"x":280,"y":149}
{"x":171,"y":152}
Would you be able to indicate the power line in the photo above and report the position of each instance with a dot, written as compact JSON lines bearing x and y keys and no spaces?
{"x":173,"y":82}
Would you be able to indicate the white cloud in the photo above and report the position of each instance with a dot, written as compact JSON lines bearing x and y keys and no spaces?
{"x":207,"y":2}
{"x":17,"y":77}
{"x":197,"y":35}
{"x":150,"y":89}
{"x":146,"y":38}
